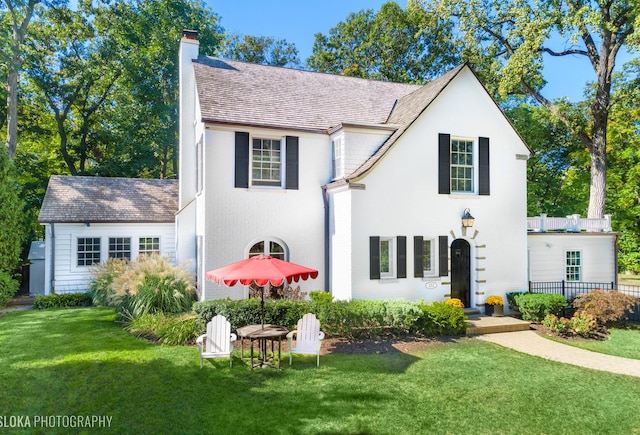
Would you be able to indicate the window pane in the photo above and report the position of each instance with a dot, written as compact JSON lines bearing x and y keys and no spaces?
{"x":461,"y":166}
{"x":265,"y":163}
{"x":120,"y":247}
{"x":426,"y":256}
{"x":257,"y":249}
{"x":88,"y":251}
{"x":149,"y":245}
{"x":384,"y":256}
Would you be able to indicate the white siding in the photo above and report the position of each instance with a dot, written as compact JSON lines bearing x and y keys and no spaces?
{"x":340,"y":245}
{"x":401,"y":199}
{"x":237,"y":217}
{"x":547,"y":255}
{"x":68,"y":277}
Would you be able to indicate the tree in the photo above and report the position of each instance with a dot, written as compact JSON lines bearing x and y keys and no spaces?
{"x":512,"y":36}
{"x":555,"y":175}
{"x":260,"y":49}
{"x":12,"y":229}
{"x":393,"y":44}
{"x":19,"y":14}
{"x":623,"y":178}
{"x":75,"y":69}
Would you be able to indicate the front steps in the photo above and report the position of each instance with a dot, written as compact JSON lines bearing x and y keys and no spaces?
{"x":478,"y":324}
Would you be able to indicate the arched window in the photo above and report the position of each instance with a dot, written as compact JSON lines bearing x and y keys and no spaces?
{"x":275,"y":248}
{"x":269,"y":246}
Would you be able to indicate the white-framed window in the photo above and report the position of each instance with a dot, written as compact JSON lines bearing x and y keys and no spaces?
{"x":338,"y":157}
{"x":387,"y":257}
{"x":268,"y":247}
{"x":88,"y":251}
{"x":148,"y":245}
{"x":266,"y":162}
{"x":462,"y":165}
{"x":573,"y":266}
{"x":120,"y":247}
{"x":428,"y":256}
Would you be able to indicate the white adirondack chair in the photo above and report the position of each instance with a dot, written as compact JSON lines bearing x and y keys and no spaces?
{"x":218,"y":341}
{"x":308,"y":338}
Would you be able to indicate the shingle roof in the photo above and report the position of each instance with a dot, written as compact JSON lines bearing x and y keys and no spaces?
{"x":102,"y":199}
{"x":249,"y":94}
{"x":404,"y":114}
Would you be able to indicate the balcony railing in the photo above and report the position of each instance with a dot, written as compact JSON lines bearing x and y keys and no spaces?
{"x":571,"y":224}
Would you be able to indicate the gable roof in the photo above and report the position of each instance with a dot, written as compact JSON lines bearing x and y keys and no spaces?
{"x":258,"y":95}
{"x":104,"y":199}
{"x":408,"y":109}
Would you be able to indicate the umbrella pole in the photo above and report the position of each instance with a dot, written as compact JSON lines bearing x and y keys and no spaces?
{"x":262,"y":306}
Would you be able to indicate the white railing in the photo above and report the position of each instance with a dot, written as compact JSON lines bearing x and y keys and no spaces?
{"x":573,"y":223}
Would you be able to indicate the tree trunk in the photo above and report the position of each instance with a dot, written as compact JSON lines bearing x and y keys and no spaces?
{"x":597,"y":189}
{"x":12,"y":112}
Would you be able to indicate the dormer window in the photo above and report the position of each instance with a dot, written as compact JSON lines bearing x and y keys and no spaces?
{"x":338,"y":157}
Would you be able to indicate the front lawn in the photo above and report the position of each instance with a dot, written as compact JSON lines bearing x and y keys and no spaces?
{"x":621,"y":342}
{"x":79,"y":362}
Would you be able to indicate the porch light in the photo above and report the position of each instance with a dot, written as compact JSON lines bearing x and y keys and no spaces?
{"x":467,"y":219}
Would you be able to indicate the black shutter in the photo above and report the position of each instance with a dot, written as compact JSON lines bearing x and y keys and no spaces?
{"x":443,"y":249}
{"x":242,"y":159}
{"x":291,"y":168}
{"x":374,"y":257}
{"x":483,"y":165}
{"x":402,"y":256}
{"x":418,"y":267}
{"x":444,"y":163}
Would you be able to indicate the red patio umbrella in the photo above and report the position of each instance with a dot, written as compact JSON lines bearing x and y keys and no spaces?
{"x":263,"y":270}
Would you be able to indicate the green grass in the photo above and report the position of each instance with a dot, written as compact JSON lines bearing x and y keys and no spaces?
{"x":621,"y":342}
{"x":79,"y":362}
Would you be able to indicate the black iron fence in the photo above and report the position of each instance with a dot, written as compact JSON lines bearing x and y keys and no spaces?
{"x":572,"y":289}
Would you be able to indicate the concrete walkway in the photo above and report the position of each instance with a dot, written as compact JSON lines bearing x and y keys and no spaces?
{"x":531,"y":343}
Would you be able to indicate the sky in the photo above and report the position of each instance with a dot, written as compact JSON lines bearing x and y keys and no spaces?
{"x":298,"y":21}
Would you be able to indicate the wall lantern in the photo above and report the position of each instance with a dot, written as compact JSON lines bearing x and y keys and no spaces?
{"x":467,"y":219}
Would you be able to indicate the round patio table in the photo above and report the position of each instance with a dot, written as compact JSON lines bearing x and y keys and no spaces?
{"x":263,"y":334}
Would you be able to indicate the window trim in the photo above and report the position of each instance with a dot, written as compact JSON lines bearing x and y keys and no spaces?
{"x":338,"y":149}
{"x":147,"y":252}
{"x":282,"y":163}
{"x":391,"y":273}
{"x":77,"y":252}
{"x":572,"y":267}
{"x":124,"y":239}
{"x":473,"y":166}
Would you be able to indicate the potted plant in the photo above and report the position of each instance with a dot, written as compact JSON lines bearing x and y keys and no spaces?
{"x":494,"y":306}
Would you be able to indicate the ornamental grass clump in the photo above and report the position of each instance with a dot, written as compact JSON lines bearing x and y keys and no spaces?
{"x":149,"y":284}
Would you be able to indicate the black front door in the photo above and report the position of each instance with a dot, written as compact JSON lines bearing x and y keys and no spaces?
{"x":461,"y":271}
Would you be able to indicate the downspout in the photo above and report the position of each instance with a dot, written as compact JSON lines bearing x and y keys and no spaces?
{"x":327,"y":262}
{"x":52,"y":282}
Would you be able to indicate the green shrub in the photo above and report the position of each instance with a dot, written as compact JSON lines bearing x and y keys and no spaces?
{"x":536,"y":306}
{"x":441,"y":318}
{"x":320,"y":297}
{"x":583,"y":324}
{"x":8,"y":288}
{"x":511,"y":299}
{"x":605,"y":306}
{"x":351,"y":319}
{"x":171,"y":329}
{"x":557,"y":325}
{"x":64,"y":300}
